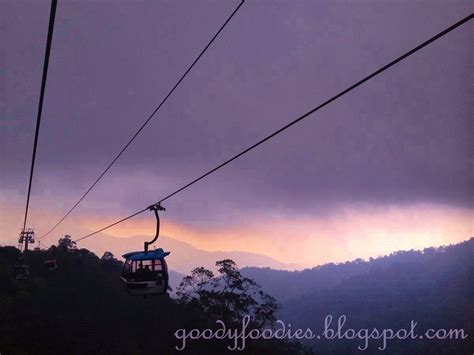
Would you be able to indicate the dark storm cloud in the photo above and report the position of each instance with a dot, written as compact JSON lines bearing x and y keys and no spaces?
{"x":402,"y":138}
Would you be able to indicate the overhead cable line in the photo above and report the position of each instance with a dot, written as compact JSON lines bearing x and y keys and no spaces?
{"x":52,"y":16}
{"x":146,"y":122}
{"x":350,"y":88}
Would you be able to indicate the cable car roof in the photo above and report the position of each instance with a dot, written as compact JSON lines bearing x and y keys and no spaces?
{"x":149,"y":255}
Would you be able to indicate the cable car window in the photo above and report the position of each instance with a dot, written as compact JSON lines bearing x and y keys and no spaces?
{"x":157,"y":267}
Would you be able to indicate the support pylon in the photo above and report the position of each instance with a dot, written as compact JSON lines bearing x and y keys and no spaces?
{"x":27,"y":236}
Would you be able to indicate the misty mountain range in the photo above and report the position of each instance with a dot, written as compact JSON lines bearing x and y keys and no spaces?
{"x":434,"y":287}
{"x":184,"y":257}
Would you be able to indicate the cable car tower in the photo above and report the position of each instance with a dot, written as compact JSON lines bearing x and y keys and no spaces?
{"x":27,"y":236}
{"x":21,"y":269}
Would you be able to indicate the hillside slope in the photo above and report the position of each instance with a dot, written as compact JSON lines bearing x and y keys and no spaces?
{"x":434,"y":287}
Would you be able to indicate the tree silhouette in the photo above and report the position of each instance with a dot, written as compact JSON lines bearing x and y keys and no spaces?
{"x":227,"y":297}
{"x":108,"y":256}
{"x":66,"y":244}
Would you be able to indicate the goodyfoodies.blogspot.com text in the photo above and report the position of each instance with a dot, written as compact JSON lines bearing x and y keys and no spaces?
{"x":334,"y":329}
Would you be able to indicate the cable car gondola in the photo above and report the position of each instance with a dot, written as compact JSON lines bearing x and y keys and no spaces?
{"x":50,"y":265}
{"x":145,"y":272}
{"x":21,"y":271}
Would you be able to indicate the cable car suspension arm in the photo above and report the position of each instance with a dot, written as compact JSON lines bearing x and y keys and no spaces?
{"x":155,"y":208}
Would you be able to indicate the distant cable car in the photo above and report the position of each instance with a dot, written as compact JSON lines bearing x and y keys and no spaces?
{"x":21,"y":271}
{"x":145,"y":272}
{"x":51,"y":265}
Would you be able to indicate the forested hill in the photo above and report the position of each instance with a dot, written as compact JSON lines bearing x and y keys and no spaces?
{"x":78,"y":309}
{"x":434,"y":287}
{"x":286,"y":285}
{"x":82,"y":308}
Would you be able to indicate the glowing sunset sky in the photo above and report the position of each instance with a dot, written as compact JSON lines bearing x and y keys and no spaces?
{"x":387,"y":167}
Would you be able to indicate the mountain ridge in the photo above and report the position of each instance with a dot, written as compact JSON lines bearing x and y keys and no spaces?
{"x":183,"y":256}
{"x":329,"y":275}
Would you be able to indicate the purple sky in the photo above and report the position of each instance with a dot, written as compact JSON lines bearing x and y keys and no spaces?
{"x":404,"y":138}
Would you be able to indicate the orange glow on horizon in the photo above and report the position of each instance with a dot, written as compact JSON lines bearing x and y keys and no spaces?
{"x":352,"y":232}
